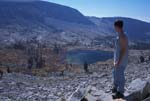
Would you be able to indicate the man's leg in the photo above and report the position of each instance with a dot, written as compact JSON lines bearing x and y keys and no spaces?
{"x":120,"y":78}
{"x":120,"y":81}
{"x":115,"y":86}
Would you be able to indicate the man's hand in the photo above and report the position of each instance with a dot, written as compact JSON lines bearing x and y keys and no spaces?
{"x":117,"y":64}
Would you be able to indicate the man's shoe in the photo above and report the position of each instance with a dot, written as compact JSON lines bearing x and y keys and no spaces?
{"x":114,"y":90}
{"x":84,"y":99}
{"x":118,"y":95}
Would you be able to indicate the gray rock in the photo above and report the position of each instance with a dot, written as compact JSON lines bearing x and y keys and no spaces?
{"x":62,"y":99}
{"x":139,"y":90}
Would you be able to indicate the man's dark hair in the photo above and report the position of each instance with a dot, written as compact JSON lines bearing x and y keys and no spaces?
{"x":119,"y":23}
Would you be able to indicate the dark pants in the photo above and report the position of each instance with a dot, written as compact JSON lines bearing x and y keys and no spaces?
{"x":119,"y":78}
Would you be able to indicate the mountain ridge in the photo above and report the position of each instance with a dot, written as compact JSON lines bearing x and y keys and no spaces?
{"x":133,"y":27}
{"x":60,"y":24}
{"x":46,"y":9}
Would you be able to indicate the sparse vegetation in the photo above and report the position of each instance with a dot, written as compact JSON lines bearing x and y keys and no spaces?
{"x":35,"y":58}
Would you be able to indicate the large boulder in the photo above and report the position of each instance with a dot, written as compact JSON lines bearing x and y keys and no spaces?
{"x":138,"y":90}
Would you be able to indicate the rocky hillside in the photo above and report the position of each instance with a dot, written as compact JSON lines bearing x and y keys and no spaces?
{"x":53,"y":23}
{"x":73,"y":86}
{"x":46,"y":21}
{"x":39,"y":11}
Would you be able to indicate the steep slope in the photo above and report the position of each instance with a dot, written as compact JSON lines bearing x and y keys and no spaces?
{"x":39,"y":10}
{"x":43,"y":20}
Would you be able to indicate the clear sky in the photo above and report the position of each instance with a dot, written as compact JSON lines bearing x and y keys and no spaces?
{"x":139,"y":9}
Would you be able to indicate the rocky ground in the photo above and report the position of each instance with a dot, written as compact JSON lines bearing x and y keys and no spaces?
{"x":20,"y":87}
{"x":73,"y":86}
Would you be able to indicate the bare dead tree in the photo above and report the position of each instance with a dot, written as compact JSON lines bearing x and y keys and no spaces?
{"x":1,"y":74}
{"x":56,"y":49}
{"x":35,"y":55}
{"x":39,"y":56}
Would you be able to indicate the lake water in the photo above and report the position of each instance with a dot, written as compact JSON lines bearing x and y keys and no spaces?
{"x":88,"y":56}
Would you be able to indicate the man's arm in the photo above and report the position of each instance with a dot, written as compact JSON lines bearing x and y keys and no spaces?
{"x":123,"y":45}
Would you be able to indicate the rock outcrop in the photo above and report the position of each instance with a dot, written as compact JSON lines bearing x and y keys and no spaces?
{"x":138,"y":90}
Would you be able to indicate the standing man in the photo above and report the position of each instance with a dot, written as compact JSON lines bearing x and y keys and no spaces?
{"x":120,"y":61}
